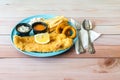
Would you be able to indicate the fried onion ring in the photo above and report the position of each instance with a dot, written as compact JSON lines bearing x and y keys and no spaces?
{"x":69,"y":28}
{"x":60,"y":27}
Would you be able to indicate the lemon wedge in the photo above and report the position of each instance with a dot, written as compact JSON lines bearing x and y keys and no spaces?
{"x":42,"y":38}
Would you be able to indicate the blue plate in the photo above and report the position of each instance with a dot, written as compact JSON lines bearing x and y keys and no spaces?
{"x":39,"y":54}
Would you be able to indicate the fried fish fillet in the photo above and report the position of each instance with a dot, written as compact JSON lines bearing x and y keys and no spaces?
{"x":57,"y":42}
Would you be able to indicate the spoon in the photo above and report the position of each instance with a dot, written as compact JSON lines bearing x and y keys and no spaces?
{"x":87,"y":25}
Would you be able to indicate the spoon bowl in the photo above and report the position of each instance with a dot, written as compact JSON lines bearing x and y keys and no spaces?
{"x":87,"y":25}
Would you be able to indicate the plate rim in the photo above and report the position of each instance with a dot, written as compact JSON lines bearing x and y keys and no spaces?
{"x":38,"y":54}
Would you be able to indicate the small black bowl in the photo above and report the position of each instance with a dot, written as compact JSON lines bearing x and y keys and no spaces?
{"x":23,"y":29}
{"x":35,"y":31}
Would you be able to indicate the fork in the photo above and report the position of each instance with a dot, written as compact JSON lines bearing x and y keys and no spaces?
{"x":78,"y":44}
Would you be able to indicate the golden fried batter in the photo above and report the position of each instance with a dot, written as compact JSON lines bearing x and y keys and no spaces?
{"x":56,"y":21}
{"x":69,"y":28}
{"x":57,"y":42}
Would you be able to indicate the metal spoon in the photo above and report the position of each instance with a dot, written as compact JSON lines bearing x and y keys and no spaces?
{"x":87,"y":25}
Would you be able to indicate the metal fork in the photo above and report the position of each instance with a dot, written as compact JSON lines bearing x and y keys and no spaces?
{"x":78,"y":45}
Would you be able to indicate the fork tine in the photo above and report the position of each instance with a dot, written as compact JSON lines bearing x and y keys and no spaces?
{"x":76,"y":24}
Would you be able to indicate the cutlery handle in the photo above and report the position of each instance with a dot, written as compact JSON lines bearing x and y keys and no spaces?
{"x":91,"y":48}
{"x":80,"y":42}
{"x":78,"y":45}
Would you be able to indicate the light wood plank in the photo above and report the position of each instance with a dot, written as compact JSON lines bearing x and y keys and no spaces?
{"x":5,"y":39}
{"x":68,"y":66}
{"x":102,"y":40}
{"x":74,"y":7}
{"x":108,"y":40}
{"x":100,"y":29}
{"x":101,"y":25}
{"x":101,"y":51}
{"x":54,"y":69}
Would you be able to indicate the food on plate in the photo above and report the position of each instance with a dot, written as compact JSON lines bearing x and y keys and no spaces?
{"x":53,"y":22}
{"x":56,"y":21}
{"x":57,"y":42}
{"x":42,"y":38}
{"x":60,"y":27}
{"x":39,"y":27}
{"x":36,"y":20}
{"x":48,"y":35}
{"x":23,"y":29}
{"x":67,"y":30}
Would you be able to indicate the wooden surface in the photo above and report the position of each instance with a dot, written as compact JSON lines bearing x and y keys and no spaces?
{"x":105,"y":14}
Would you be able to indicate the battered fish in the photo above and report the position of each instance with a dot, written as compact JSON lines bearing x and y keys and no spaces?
{"x":57,"y":42}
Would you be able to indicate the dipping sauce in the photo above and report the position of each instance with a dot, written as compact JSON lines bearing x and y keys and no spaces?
{"x":23,"y":29}
{"x":39,"y":27}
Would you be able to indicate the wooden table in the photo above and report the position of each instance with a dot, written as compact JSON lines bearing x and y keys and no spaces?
{"x":69,"y":66}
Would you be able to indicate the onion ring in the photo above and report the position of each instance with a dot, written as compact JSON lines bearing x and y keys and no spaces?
{"x":69,"y":28}
{"x":60,"y":27}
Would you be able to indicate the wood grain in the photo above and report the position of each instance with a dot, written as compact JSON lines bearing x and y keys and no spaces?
{"x":101,"y":25}
{"x":103,"y":40}
{"x":105,"y":14}
{"x":76,"y":8}
{"x":101,"y":51}
{"x":59,"y":69}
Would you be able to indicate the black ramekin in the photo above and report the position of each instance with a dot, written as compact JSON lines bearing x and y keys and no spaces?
{"x":23,"y":33}
{"x":39,"y":31}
